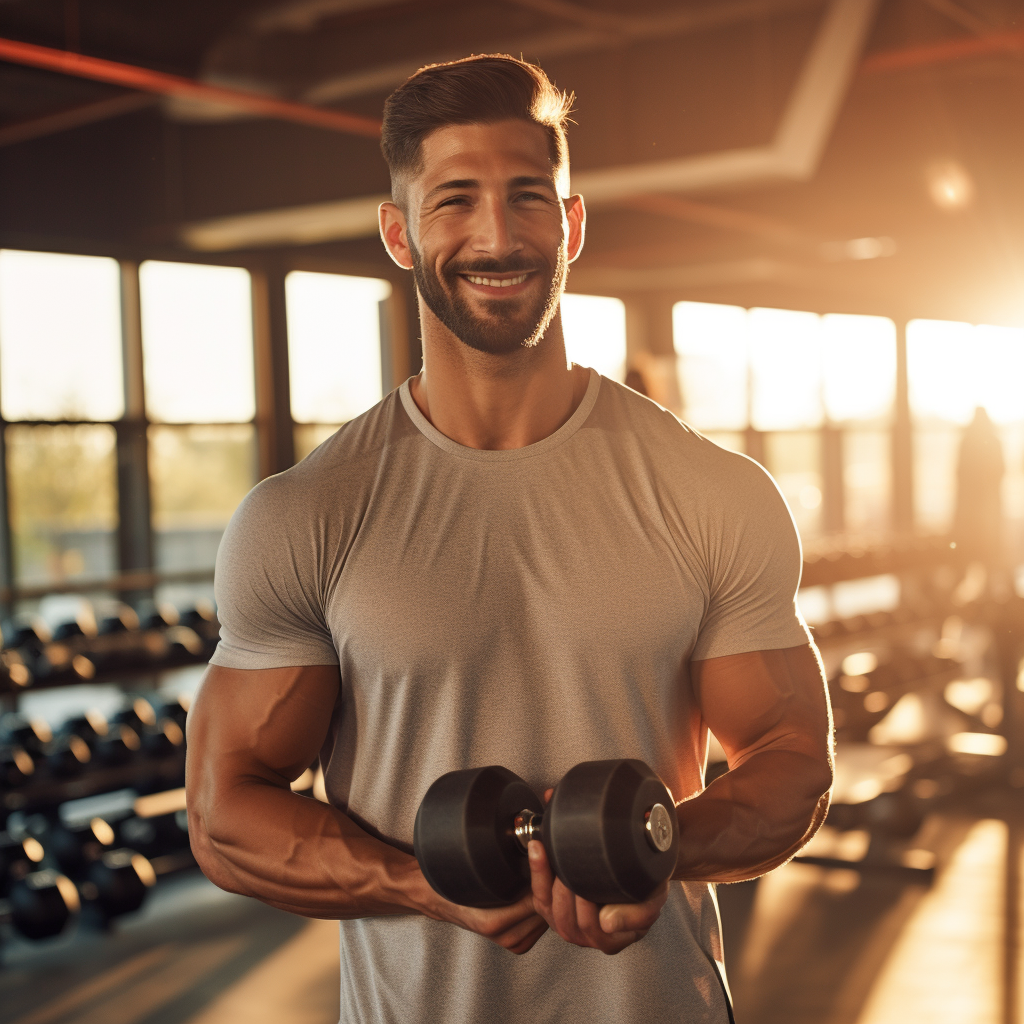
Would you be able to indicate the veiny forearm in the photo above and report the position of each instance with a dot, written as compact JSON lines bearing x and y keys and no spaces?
{"x":300,"y":855}
{"x":753,"y":818}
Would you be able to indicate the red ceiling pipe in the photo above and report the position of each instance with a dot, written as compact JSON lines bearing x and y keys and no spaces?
{"x":143,"y":79}
{"x":944,"y":52}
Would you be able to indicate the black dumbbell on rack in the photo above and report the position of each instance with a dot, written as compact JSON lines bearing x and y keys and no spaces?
{"x":110,"y":881}
{"x":610,"y":833}
{"x":40,"y":905}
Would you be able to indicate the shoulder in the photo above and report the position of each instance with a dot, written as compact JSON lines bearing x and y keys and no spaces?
{"x":676,"y":445}
{"x":338,"y":464}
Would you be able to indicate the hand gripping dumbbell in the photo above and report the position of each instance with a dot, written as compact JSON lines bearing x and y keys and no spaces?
{"x":609,"y":831}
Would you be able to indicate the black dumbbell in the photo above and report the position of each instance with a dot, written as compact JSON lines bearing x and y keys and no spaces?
{"x":610,"y":833}
{"x":41,"y":904}
{"x":17,"y":767}
{"x":117,"y":883}
{"x":111,"y":882}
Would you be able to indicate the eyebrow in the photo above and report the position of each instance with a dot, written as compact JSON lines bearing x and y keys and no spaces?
{"x":523,"y":181}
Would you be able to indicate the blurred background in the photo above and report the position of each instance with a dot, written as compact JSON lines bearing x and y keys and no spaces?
{"x":806,"y":237}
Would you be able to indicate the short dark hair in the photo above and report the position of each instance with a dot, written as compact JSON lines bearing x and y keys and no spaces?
{"x":475,"y":90}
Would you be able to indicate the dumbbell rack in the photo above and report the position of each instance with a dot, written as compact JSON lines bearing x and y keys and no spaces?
{"x":149,"y":772}
{"x":931,"y":775}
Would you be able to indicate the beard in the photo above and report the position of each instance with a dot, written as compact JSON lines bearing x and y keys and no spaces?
{"x":507,"y":324}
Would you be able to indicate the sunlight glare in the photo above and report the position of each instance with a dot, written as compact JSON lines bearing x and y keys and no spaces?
{"x":858,"y":366}
{"x":785,"y":364}
{"x":334,"y":341}
{"x":594,"y":327}
{"x":711,"y":349}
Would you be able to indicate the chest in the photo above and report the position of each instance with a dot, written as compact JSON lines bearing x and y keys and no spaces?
{"x":500,"y":570}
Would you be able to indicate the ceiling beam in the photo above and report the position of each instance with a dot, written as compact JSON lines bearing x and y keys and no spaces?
{"x":945,"y":52}
{"x":75,"y":117}
{"x":143,"y":79}
{"x":800,"y":137}
{"x":561,"y":42}
{"x":965,"y":19}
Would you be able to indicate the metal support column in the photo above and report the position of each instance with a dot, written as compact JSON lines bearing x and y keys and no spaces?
{"x":134,"y":529}
{"x":833,"y":483}
{"x":6,"y":547}
{"x":650,"y":348}
{"x":902,"y":441}
{"x":399,"y":336}
{"x":274,"y":426}
{"x":407,"y":350}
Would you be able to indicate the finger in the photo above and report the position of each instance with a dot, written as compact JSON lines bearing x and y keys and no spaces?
{"x":622,"y":917}
{"x":527,"y":943}
{"x":523,"y":933}
{"x":541,"y":879}
{"x":588,"y":915}
{"x":548,"y":794}
{"x":563,"y":909}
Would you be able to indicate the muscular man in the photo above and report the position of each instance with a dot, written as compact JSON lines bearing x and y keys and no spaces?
{"x":509,"y":560}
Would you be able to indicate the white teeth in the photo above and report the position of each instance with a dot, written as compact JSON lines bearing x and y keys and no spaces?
{"x":493,"y":282}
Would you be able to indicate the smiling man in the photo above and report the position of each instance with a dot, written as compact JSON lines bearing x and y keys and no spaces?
{"x":510,"y":560}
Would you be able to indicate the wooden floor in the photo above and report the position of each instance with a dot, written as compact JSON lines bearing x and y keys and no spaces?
{"x":804,"y":945}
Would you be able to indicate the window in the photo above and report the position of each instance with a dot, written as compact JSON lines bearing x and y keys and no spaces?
{"x":782,"y":376}
{"x":63,"y":501}
{"x":197,"y":343}
{"x":60,"y":359}
{"x":954,"y":368}
{"x":858,"y":368}
{"x":197,"y":348}
{"x":334,"y":351}
{"x":785,"y":369}
{"x":711,"y":349}
{"x":60,"y":337}
{"x":594,"y":328}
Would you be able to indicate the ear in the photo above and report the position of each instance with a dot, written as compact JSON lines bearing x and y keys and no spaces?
{"x":394,"y":234}
{"x":576,"y":215}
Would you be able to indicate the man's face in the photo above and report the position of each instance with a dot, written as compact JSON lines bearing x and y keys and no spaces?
{"x":488,"y":234}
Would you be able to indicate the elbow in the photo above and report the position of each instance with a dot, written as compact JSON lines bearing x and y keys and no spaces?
{"x":211,"y":862}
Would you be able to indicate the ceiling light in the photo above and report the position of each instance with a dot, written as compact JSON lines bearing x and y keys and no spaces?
{"x":949,"y":185}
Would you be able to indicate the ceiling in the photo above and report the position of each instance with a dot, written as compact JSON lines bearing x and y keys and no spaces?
{"x":856,"y":155}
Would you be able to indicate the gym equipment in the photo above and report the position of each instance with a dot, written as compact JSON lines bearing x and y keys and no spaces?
{"x":117,"y":883}
{"x":609,"y":831}
{"x":41,"y":904}
{"x":111,"y":882}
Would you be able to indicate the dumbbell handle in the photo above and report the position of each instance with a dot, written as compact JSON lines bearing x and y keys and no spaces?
{"x":527,"y":826}
{"x":659,"y":827}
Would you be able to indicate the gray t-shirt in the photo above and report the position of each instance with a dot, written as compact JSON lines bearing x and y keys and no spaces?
{"x":533,"y":608}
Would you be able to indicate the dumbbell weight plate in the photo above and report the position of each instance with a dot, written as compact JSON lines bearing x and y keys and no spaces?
{"x":610,"y":831}
{"x":464,"y":836}
{"x":118,"y":882}
{"x":42,"y":904}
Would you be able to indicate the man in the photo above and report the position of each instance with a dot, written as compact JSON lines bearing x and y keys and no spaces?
{"x":507,"y":561}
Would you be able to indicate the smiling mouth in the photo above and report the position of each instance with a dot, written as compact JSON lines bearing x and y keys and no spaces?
{"x":496,"y":282}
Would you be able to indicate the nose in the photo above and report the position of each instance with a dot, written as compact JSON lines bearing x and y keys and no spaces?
{"x":494,"y":232}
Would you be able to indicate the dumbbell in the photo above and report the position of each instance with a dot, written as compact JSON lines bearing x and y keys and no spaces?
{"x":40,"y":905}
{"x":609,"y":831}
{"x":110,"y":881}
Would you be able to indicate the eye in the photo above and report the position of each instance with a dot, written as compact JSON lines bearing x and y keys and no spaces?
{"x":532,"y":197}
{"x":454,"y":201}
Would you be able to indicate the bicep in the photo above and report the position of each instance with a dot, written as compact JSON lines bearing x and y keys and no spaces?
{"x":260,"y":723}
{"x":763,"y":700}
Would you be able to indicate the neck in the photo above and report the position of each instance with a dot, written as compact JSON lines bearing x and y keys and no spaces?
{"x":495,"y":402}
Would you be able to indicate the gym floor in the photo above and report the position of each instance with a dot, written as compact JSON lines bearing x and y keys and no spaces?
{"x":804,"y":945}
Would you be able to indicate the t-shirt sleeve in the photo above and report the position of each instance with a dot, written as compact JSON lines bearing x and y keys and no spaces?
{"x":754,"y":564}
{"x":266,"y":586}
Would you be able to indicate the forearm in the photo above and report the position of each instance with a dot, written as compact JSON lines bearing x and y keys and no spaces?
{"x":753,"y":818}
{"x":300,"y":855}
